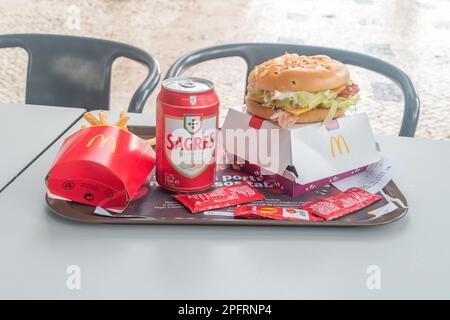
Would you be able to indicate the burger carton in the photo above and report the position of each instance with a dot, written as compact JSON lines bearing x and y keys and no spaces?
{"x":101,"y":166}
{"x":301,"y":158}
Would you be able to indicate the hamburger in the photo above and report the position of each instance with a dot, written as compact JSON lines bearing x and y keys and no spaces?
{"x":294,"y":89}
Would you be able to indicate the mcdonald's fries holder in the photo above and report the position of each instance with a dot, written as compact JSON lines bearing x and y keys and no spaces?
{"x":93,"y":167}
{"x":307,"y":157}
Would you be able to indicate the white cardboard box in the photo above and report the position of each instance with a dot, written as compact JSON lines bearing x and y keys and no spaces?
{"x":303,"y":157}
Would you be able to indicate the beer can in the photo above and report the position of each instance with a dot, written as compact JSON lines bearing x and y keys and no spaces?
{"x":187,"y":110}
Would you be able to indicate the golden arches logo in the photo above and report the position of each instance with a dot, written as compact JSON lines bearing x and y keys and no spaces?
{"x":103,"y":141}
{"x":338,"y":142}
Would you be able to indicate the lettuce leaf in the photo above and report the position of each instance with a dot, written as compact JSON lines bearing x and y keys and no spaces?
{"x":304,"y":99}
{"x":347,"y":102}
{"x":311,"y":100}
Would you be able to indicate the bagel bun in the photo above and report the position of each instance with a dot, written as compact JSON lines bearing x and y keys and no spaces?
{"x":311,"y":116}
{"x":293,"y":72}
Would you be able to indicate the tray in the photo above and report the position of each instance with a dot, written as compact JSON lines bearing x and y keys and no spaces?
{"x":157,"y":206}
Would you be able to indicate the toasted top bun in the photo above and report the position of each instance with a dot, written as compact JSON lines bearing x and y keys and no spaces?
{"x":292,"y":72}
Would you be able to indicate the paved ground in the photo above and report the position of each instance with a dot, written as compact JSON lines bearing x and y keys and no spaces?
{"x":410,"y":34}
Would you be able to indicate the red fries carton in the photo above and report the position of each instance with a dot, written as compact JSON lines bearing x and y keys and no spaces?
{"x":101,"y":166}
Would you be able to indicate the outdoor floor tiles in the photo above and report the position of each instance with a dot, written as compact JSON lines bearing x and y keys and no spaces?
{"x":412,"y":35}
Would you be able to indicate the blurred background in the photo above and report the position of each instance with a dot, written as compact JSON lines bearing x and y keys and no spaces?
{"x":411,"y":34}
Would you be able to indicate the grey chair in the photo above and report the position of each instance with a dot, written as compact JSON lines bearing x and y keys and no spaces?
{"x":76,"y":71}
{"x":256,"y":53}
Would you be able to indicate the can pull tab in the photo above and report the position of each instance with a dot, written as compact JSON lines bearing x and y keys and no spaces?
{"x":187,"y":84}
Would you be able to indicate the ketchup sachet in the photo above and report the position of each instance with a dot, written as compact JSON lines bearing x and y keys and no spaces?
{"x":261,"y":212}
{"x":220,"y":198}
{"x":341,"y":204}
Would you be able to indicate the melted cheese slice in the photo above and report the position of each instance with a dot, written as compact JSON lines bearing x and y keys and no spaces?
{"x":298,"y":111}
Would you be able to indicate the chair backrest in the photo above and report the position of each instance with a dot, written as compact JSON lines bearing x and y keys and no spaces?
{"x":76,"y":71}
{"x":256,"y":53}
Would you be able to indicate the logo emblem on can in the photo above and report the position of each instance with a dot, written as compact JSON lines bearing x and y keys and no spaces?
{"x":192,"y":123}
{"x":187,"y":118}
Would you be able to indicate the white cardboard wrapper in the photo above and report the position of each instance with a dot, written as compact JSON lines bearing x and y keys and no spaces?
{"x":304,"y":154}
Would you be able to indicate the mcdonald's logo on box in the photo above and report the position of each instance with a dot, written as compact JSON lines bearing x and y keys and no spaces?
{"x":338,"y":142}
{"x":103,"y":141}
{"x":304,"y":157}
{"x":101,"y":166}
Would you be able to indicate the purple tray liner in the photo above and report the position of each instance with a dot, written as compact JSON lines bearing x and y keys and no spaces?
{"x":291,"y":187}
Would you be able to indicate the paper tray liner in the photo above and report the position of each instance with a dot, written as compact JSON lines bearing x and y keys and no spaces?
{"x":158,"y":206}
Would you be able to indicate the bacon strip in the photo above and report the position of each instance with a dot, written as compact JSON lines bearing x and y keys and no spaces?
{"x":284,"y":119}
{"x":349,"y":91}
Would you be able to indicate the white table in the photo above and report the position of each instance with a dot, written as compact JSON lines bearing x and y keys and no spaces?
{"x":125,"y":261}
{"x":26,"y":132}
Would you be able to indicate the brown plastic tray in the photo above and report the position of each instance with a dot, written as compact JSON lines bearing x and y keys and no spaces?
{"x":157,"y":206}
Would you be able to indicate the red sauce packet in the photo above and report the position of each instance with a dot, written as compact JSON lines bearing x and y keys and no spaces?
{"x":261,"y":212}
{"x":220,"y":198}
{"x":341,"y":204}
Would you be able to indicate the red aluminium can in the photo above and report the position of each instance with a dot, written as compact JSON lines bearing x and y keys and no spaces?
{"x":187,"y":110}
